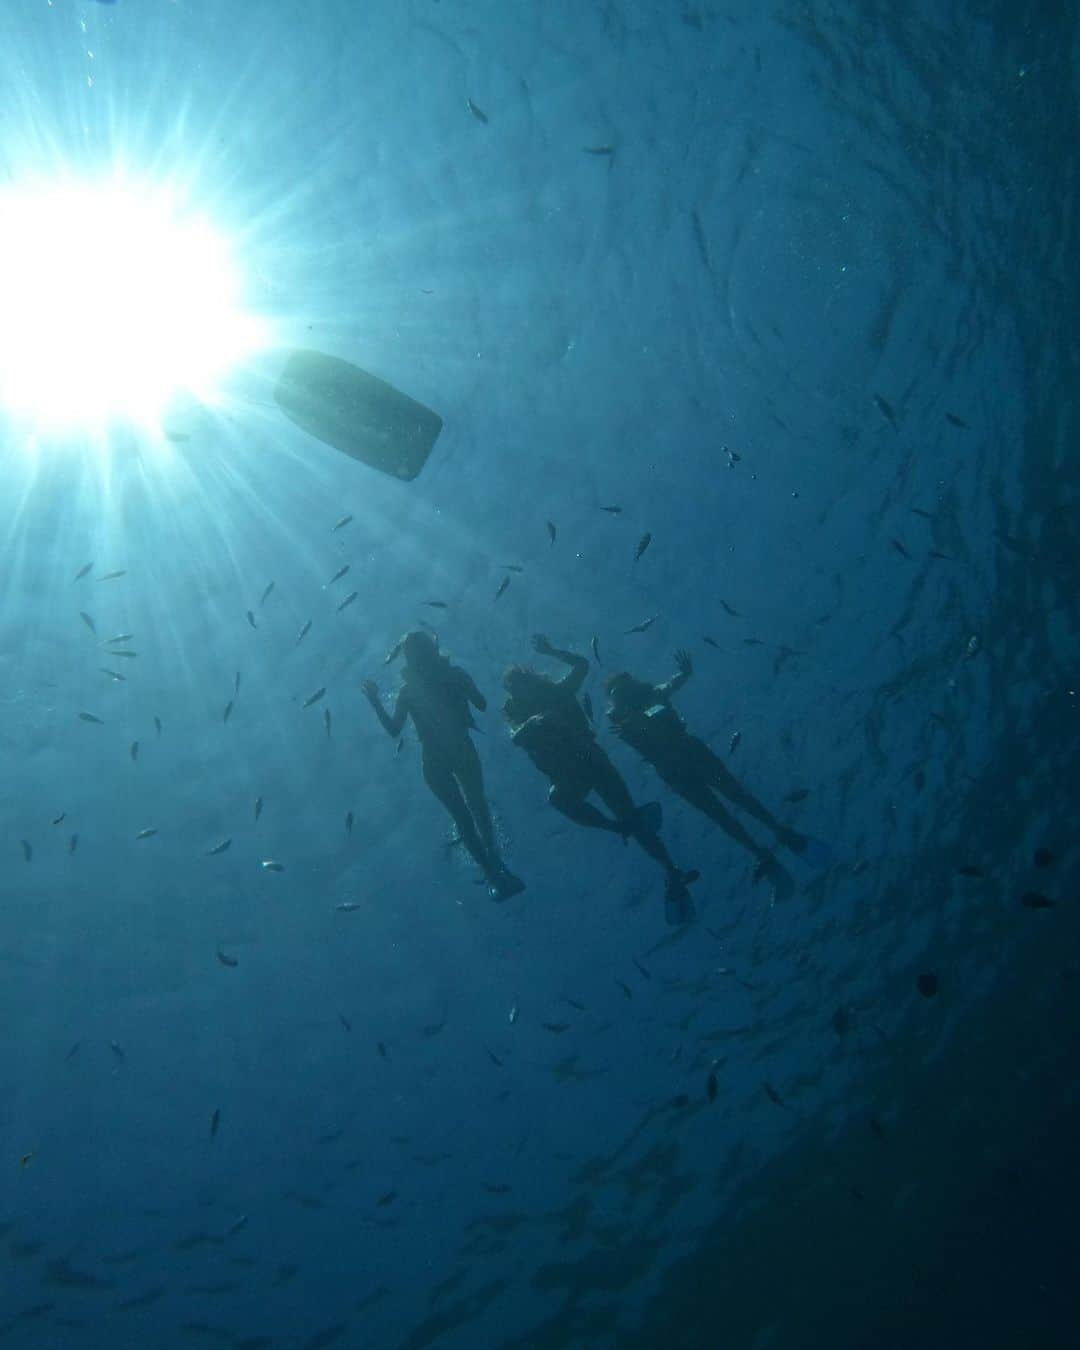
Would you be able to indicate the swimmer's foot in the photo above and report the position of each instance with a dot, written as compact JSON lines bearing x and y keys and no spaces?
{"x":503,"y":885}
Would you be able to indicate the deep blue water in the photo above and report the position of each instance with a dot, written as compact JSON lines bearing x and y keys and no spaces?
{"x":795,"y":287}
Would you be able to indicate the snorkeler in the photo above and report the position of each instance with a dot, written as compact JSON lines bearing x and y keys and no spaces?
{"x":641,"y":715}
{"x":437,"y":695}
{"x":549,"y":724}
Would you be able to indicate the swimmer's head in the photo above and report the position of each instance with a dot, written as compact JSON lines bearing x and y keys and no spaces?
{"x":420,"y":650}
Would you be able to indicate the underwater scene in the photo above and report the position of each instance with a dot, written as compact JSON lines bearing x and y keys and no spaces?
{"x":540,"y":675}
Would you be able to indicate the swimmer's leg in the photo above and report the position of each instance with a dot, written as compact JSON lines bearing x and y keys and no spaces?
{"x":581,"y":812}
{"x":470,"y":776}
{"x":442,"y":783}
{"x":724,"y":781}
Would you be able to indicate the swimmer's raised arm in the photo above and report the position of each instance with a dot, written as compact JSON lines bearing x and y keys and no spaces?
{"x":393,"y":724}
{"x":579,"y":667}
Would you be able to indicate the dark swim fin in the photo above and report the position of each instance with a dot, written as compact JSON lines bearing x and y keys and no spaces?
{"x":505,"y":886}
{"x":357,"y":413}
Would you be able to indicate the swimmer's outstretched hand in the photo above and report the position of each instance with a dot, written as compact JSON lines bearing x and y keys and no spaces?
{"x":683,"y":663}
{"x":542,"y":645}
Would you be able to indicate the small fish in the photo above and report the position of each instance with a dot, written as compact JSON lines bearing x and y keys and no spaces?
{"x":900,"y":548}
{"x":841,"y":1021}
{"x":971,"y":870}
{"x":733,"y":744}
{"x":642,"y":544}
{"x":551,"y":531}
{"x":956,"y":421}
{"x":478,"y":113}
{"x":340,"y":525}
{"x":348,"y":822}
{"x":712,"y":1086}
{"x":644,"y":625}
{"x":59,"y":820}
{"x":113,"y":674}
{"x":26,"y":1160}
{"x":387,"y":1198}
{"x":215,"y":1121}
{"x":177,"y":437}
{"x":83,"y":571}
{"x":728,"y":610}
{"x":502,"y":587}
{"x":236,"y":683}
{"x":128,"y":655}
{"x":1036,"y":900}
{"x":157,"y":725}
{"x":629,"y":993}
{"x":88,"y":621}
{"x":347,"y":906}
{"x":928,"y":984}
{"x":347,"y":601}
{"x":512,"y":1017}
{"x":146,"y":834}
{"x":72,"y":1052}
{"x":27,"y":850}
{"x":89,"y":717}
{"x":327,"y":721}
{"x":227,"y":960}
{"x":1043,"y":857}
{"x":268,"y":591}
{"x":251,"y":618}
{"x":586,"y":703}
{"x":120,"y":637}
{"x":118,"y":1050}
{"x":304,"y":631}
{"x":887,"y":411}
{"x":596,"y":649}
{"x":381,"y":1047}
{"x":598,"y":150}
{"x":73,"y":843}
{"x":557,"y":1028}
{"x":315,"y":697}
{"x":499,"y":1189}
{"x":228,"y":711}
{"x":711,"y":642}
{"x":612,"y":510}
{"x":513,"y":567}
{"x":575,"y":1004}
{"x":642,"y":970}
{"x":112,"y":576}
{"x":342,"y":571}
{"x":133,"y":751}
{"x":258,"y":807}
{"x":344,"y":1021}
{"x":773,"y":1095}
{"x":218,"y":848}
{"x":936,"y":553}
{"x":436,"y":604}
{"x":269,"y":865}
{"x":236,"y":1225}
{"x":799,"y":795}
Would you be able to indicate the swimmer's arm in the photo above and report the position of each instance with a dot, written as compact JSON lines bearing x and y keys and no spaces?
{"x":685,"y":668}
{"x":473,"y":694}
{"x":393,"y":724}
{"x":579,"y":667}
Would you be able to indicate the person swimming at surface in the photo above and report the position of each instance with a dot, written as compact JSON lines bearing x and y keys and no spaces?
{"x":437,"y":696}
{"x":549,"y":724}
{"x":642,"y":715}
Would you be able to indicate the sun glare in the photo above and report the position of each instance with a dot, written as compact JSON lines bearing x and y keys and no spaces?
{"x":114,"y":300}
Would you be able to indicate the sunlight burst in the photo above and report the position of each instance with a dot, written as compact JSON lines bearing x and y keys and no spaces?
{"x":115,"y":299}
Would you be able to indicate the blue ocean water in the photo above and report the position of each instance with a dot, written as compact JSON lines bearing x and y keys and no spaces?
{"x":794,"y":288}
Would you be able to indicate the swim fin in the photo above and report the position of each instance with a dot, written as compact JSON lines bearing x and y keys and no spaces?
{"x":505,"y":886}
{"x":357,"y":413}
